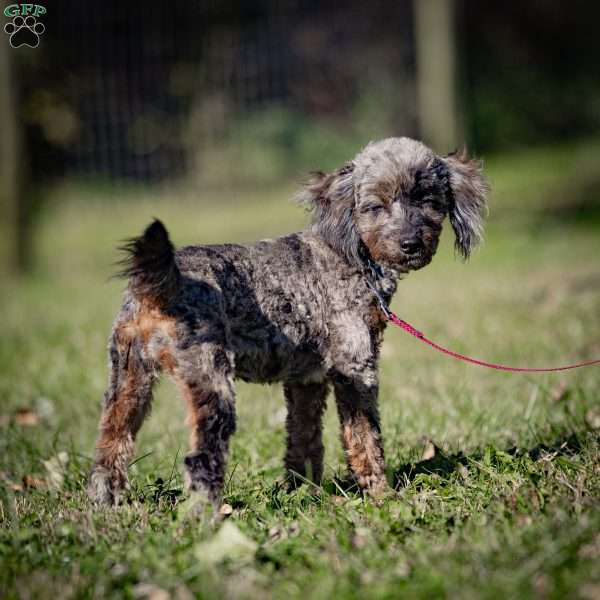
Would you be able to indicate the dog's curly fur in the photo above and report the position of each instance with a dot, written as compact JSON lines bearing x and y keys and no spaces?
{"x":299,"y":309}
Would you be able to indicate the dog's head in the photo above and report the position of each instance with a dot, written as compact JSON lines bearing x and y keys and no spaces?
{"x":391,"y":201}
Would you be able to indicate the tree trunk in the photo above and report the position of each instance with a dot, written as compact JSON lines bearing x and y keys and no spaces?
{"x":14,"y":230}
{"x":435,"y":36}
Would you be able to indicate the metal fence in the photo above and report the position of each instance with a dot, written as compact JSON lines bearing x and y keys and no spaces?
{"x":148,"y":91}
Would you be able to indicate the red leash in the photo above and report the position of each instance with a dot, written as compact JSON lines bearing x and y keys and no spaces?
{"x":482,"y":363}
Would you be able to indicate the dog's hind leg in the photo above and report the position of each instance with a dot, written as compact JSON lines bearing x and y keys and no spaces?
{"x":205,"y":375}
{"x":126,"y":403}
{"x":304,"y":454}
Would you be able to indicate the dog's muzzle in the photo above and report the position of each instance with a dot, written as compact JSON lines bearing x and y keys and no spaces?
{"x":412,"y":247}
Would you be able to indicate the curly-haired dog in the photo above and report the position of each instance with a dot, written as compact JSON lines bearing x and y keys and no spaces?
{"x":301,"y":309}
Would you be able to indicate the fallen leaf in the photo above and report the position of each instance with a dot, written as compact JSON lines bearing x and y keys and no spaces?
{"x":561,"y":392}
{"x":428,"y":450}
{"x":276,"y":533}
{"x":55,"y":467}
{"x":338,"y":500}
{"x":26,"y":417}
{"x":592,"y":418}
{"x":33,"y":483}
{"x":229,"y":543}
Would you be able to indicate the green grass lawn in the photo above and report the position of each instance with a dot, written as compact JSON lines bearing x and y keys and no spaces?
{"x":497,"y":475}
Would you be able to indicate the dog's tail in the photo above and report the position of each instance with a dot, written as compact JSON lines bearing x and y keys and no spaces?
{"x":150,"y":265}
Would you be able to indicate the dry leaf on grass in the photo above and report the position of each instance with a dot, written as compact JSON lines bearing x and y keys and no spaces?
{"x":229,"y":543}
{"x":592,"y":418}
{"x":33,"y":483}
{"x":276,"y":533}
{"x":55,"y":468}
{"x":428,"y":450}
{"x":338,"y":500}
{"x":26,"y":417}
{"x":560,"y":392}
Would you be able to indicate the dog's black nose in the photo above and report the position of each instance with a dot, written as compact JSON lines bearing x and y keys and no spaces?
{"x":411,"y":246}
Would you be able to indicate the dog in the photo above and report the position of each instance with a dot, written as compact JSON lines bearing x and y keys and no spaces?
{"x":304,"y":309}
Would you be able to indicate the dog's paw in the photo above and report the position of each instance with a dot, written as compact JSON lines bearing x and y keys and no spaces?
{"x":106,"y":487}
{"x":380,"y":492}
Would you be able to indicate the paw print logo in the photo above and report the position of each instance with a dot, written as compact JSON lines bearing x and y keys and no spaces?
{"x":24,"y":31}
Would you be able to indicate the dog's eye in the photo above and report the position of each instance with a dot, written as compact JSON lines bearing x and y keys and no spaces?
{"x":427,"y":196}
{"x":422,"y":194}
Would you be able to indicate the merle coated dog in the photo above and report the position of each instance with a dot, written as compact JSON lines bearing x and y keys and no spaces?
{"x":302,"y":309}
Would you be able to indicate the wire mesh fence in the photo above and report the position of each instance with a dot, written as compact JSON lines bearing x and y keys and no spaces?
{"x":210,"y":91}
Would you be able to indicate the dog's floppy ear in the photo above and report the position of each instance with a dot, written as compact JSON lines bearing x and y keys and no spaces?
{"x":330,"y":197}
{"x":468,"y":191}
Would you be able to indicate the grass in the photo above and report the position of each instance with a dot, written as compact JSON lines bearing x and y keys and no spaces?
{"x":497,"y":475}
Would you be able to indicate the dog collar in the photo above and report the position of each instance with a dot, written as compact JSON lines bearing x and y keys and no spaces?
{"x":373,"y":272}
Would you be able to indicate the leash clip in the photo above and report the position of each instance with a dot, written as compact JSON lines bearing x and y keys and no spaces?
{"x":382,"y":304}
{"x":384,"y":307}
{"x":376,"y":273}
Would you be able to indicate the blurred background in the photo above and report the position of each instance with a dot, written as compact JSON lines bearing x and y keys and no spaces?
{"x":208,"y":114}
{"x":210,"y":100}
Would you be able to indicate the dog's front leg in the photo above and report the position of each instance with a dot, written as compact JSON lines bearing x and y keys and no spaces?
{"x":356,"y":400}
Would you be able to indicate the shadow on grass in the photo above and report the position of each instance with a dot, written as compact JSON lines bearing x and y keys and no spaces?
{"x":441,"y":464}
{"x":444,"y":465}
